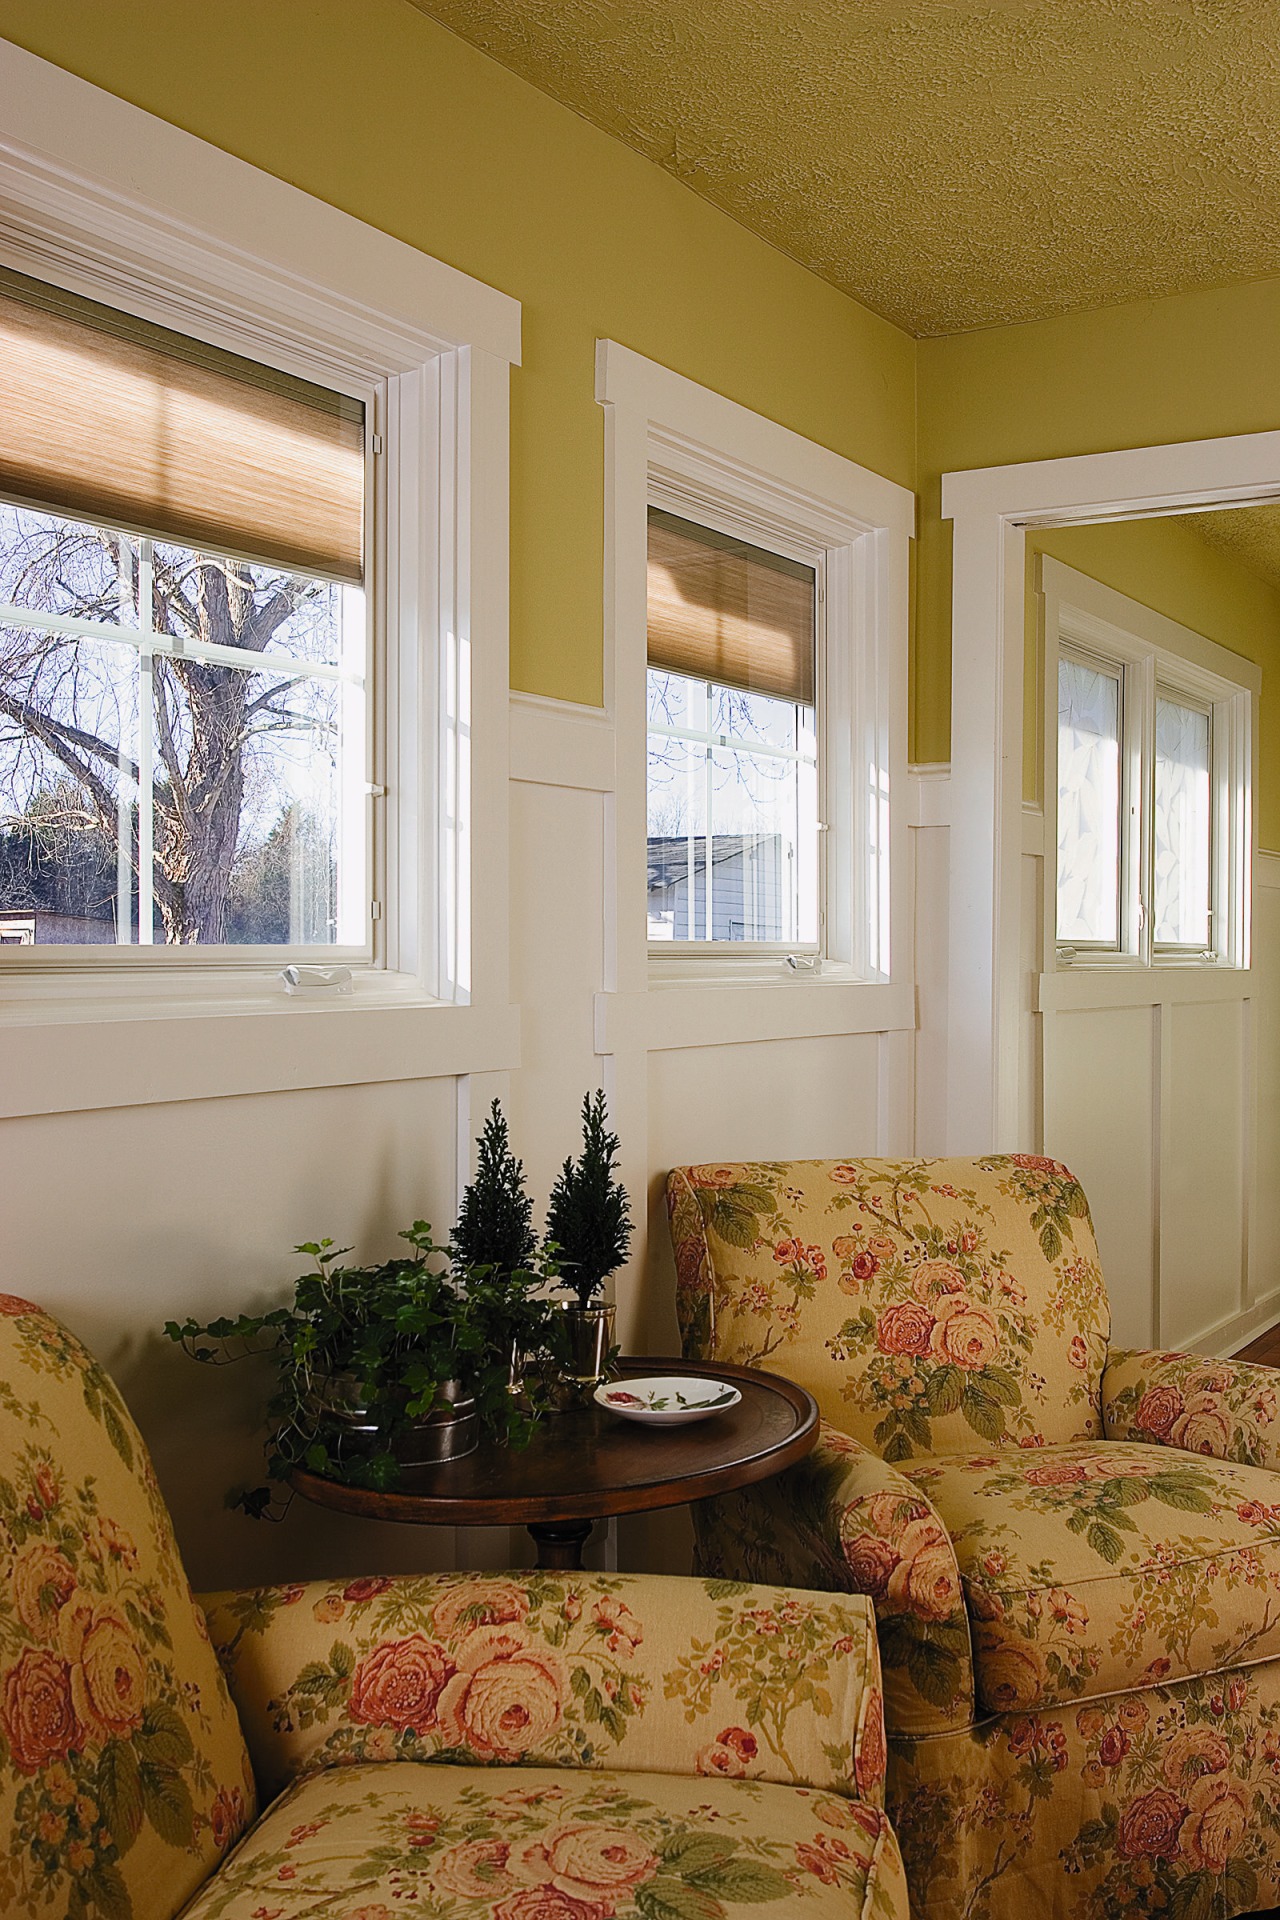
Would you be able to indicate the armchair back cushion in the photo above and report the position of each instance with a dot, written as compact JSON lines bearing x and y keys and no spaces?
{"x":926,"y":1304}
{"x":642,"y":1673}
{"x":123,"y":1772}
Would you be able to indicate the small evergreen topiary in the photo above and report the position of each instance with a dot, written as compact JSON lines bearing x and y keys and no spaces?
{"x":495,"y":1220}
{"x":589,"y":1216}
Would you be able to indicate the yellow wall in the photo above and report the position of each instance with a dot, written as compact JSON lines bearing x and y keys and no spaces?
{"x":1184,"y":368}
{"x":371,"y":106}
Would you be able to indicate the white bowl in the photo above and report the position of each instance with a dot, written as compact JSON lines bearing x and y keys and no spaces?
{"x":667,"y":1400}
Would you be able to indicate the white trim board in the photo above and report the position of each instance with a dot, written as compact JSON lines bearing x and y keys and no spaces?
{"x":115,"y":203}
{"x":79,"y":158}
{"x":990,"y":509}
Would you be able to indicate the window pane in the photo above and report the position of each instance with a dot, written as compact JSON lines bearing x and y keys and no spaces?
{"x":1182,"y":831}
{"x":1088,"y":804}
{"x":68,"y":845}
{"x":165,"y":793}
{"x":732,"y":828}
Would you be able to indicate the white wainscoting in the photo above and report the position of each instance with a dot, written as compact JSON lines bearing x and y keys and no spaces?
{"x":1159,"y":1088}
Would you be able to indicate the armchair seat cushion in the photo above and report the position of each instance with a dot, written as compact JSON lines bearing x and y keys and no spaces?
{"x":370,"y":1842}
{"x":1097,"y":1567}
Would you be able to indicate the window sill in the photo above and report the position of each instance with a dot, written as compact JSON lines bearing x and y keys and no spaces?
{"x":95,"y":1050}
{"x":712,"y":1013}
{"x":1180,"y":983}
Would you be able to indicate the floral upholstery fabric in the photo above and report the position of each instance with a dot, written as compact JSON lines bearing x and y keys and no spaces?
{"x":567,"y":1670}
{"x":1074,"y":1553}
{"x":1223,"y":1408}
{"x":1164,"y":1802}
{"x":1093,"y":1568}
{"x":843,"y":1519}
{"x":926,"y":1304}
{"x":125,"y":1776}
{"x":460,"y":1843}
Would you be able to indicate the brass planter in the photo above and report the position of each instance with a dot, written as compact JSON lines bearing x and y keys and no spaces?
{"x":586,"y":1341}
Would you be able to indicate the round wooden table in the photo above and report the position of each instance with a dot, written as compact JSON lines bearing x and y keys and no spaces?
{"x":585,"y":1464}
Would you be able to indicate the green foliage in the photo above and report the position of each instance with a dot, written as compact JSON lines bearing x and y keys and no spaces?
{"x":495,"y":1220}
{"x":589,"y":1216}
{"x":386,"y":1337}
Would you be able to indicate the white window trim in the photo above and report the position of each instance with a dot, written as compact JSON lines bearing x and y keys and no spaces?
{"x":991,"y":509}
{"x":698,"y":452}
{"x":221,"y":250}
{"x":1158,"y":654}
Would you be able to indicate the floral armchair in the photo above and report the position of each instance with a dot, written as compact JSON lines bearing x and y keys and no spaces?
{"x":523,"y":1746}
{"x":1073,"y":1551}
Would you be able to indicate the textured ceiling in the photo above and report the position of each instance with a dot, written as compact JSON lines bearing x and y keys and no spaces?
{"x":951,"y":165}
{"x":1250,"y":535}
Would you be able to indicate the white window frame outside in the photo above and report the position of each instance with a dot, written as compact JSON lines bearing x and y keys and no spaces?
{"x":1153,"y":655}
{"x":231,"y":255}
{"x":673,"y":443}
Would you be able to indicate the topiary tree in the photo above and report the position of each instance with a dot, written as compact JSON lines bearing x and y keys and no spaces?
{"x":495,"y":1220}
{"x":589,"y":1215}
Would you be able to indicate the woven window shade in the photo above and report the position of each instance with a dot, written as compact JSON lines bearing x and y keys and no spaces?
{"x":107,"y":418}
{"x":722,"y":610}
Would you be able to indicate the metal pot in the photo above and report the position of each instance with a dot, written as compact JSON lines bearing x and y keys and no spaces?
{"x":586,"y":1341}
{"x":450,"y":1430}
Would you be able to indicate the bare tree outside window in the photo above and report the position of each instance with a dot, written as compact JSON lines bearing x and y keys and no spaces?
{"x":178,"y":737}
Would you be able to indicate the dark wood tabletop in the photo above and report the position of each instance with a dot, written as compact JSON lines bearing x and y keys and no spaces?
{"x":585,"y":1464}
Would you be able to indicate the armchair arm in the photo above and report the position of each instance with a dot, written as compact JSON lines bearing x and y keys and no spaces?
{"x":636,"y":1671}
{"x":1224,"y":1408}
{"x":844,"y":1519}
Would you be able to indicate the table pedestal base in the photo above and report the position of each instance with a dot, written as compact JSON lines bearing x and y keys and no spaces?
{"x":560,"y":1543}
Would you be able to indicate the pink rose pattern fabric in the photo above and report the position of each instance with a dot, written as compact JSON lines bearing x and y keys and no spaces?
{"x":570,"y":1670}
{"x":378,"y":1842}
{"x":1101,"y":1566}
{"x":843,"y":1519}
{"x":1224,"y":1409}
{"x":924,"y":1303}
{"x":125,"y":1776}
{"x":1159,"y":1802}
{"x":1086,"y":1631}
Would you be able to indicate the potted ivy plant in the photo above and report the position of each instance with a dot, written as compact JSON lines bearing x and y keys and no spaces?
{"x":381,"y":1368}
{"x":589,"y":1235}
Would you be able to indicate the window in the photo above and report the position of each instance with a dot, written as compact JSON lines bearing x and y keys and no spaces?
{"x":1152,"y":751}
{"x":183,"y":640}
{"x":733,"y":829}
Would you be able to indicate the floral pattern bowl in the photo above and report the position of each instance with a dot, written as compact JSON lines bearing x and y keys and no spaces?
{"x":667,"y":1400}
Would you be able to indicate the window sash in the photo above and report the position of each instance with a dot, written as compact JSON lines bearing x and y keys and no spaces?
{"x":713,"y":741}
{"x":147,"y":643}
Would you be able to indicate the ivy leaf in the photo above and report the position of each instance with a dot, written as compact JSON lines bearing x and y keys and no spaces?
{"x":1050,"y":1241}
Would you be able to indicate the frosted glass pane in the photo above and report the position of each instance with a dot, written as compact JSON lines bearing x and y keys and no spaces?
{"x":1088,"y":804}
{"x":1181,"y":826}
